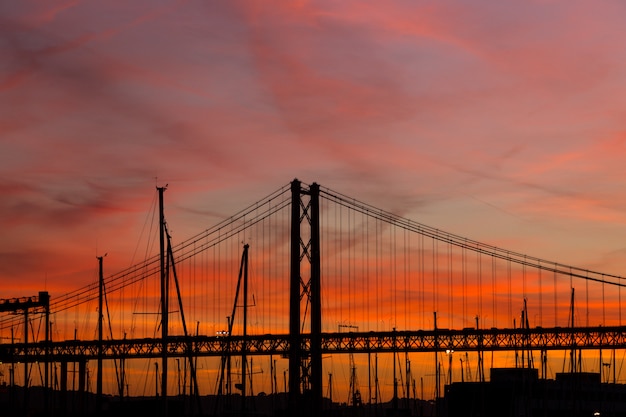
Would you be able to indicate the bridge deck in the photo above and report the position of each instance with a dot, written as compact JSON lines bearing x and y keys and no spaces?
{"x":354,"y":342}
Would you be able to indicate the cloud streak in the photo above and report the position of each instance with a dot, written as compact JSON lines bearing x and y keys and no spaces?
{"x":505,"y":121}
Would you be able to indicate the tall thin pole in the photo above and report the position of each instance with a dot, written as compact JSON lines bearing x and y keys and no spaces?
{"x":330,"y":388}
{"x":273,"y":374}
{"x":122,"y":375}
{"x":164,"y":303}
{"x":376,"y":386}
{"x":395,"y":381}
{"x":407,"y":367}
{"x":100,"y":341}
{"x":614,"y":366}
{"x":369,"y":378}
{"x":481,"y":365}
{"x":245,"y":328}
{"x":26,"y":375}
{"x":194,"y":390}
{"x":573,"y":351}
{"x":44,"y":298}
{"x":156,"y":378}
{"x":436,"y":358}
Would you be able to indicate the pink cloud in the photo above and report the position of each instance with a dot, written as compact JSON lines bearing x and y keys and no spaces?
{"x":504,"y":121}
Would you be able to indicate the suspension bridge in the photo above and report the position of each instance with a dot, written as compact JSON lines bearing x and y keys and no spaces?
{"x":308,"y":284}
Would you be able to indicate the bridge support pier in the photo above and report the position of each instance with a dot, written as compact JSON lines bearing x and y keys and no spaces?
{"x":79,"y":396}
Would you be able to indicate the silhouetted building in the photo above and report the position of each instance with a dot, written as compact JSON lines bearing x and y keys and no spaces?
{"x":518,"y":392}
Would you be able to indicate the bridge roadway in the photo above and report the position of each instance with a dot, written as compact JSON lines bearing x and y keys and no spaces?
{"x":440,"y":340}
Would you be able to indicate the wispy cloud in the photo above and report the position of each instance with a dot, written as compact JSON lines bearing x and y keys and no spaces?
{"x":423,"y":109}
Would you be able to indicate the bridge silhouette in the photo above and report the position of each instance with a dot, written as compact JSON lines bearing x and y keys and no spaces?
{"x":310,"y":277}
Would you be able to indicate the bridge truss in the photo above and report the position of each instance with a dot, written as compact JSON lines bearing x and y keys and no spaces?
{"x":419,"y":341}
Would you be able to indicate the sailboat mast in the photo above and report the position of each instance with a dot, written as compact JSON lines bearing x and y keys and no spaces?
{"x":245,"y":326}
{"x":164,"y":303}
{"x":100,"y":338}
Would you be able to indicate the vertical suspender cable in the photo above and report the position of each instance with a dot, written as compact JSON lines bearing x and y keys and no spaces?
{"x":540,"y":295}
{"x":494,"y":306}
{"x":508,"y":261}
{"x":480,"y":285}
{"x":450,"y":287}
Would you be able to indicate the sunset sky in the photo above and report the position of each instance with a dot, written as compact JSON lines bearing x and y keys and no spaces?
{"x":503,"y":122}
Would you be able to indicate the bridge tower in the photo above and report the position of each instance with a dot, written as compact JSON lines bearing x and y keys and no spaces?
{"x":305,"y":366}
